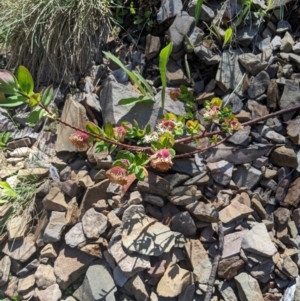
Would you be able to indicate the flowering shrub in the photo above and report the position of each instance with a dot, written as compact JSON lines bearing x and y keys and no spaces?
{"x":153,"y":148}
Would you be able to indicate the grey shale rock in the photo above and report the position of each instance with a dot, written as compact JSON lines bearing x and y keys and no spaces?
{"x":174,"y":281}
{"x":268,"y":133}
{"x":73,"y":113}
{"x":258,"y":241}
{"x":18,"y":225}
{"x":203,"y":212}
{"x":227,"y":291}
{"x":154,"y":184}
{"x":55,"y":227}
{"x":5,"y":264}
{"x":20,"y":250}
{"x":143,"y":113}
{"x":206,"y":14}
{"x":232,"y":243}
{"x":152,"y":46}
{"x":168,"y":9}
{"x":195,"y":36}
{"x":93,"y":195}
{"x":234,"y":211}
{"x":207,"y":55}
{"x":129,"y":263}
{"x":26,"y":284}
{"x":183,"y":222}
{"x":241,"y":137}
{"x":248,"y":288}
{"x":144,"y":235}
{"x":246,"y":176}
{"x":262,"y":272}
{"x":258,"y":84}
{"x":235,"y":102}
{"x":30,"y":266}
{"x":44,"y":276}
{"x":55,"y":200}
{"x":290,"y":96}
{"x":92,"y":288}
{"x":94,"y":223}
{"x":136,"y":287}
{"x":52,"y":293}
{"x":175,"y":74}
{"x":237,"y":155}
{"x":221,"y":171}
{"x":75,"y":236}
{"x":181,"y":26}
{"x":246,"y":34}
{"x":70,"y":264}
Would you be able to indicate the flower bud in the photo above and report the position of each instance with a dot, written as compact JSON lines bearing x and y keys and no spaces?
{"x":79,"y":139}
{"x":235,"y":125}
{"x":119,"y":133}
{"x":161,"y":160}
{"x":117,"y":175}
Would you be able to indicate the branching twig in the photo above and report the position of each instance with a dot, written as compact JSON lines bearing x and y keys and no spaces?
{"x":215,"y":265}
{"x":251,"y":122}
{"x":125,"y":146}
{"x":178,"y":141}
{"x":201,"y":150}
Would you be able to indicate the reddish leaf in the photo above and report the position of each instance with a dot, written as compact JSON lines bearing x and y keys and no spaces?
{"x":131,"y":179}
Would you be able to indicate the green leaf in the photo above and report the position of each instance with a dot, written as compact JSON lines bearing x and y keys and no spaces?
{"x":216,"y":101}
{"x":8,"y":83}
{"x":138,"y":20}
{"x":188,"y":44}
{"x":16,"y":298}
{"x":144,"y":82}
{"x":140,"y":174}
{"x":167,"y":139}
{"x":147,"y":13}
{"x":34,"y":99}
{"x":163,"y":61}
{"x":101,"y":146}
{"x":169,"y":116}
{"x":172,"y":152}
{"x":134,"y":100}
{"x":228,"y":35}
{"x":47,"y":96}
{"x":187,"y":67}
{"x":198,"y":10}
{"x":13,"y":101}
{"x":35,"y":116}
{"x":129,"y":73}
{"x":108,"y":130}
{"x":3,"y":202}
{"x":25,"y":80}
{"x":141,"y":159}
{"x":124,"y":154}
{"x":4,"y":137}
{"x":154,"y":145}
{"x":119,"y":163}
{"x":148,"y":129}
{"x":93,"y":128}
{"x":7,"y":190}
{"x":112,"y":148}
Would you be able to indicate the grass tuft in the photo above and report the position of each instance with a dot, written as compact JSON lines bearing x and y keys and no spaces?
{"x":54,"y":39}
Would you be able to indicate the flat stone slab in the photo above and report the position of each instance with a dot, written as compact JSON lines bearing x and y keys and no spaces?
{"x":144,"y":235}
{"x":20,"y":250}
{"x":93,"y":289}
{"x":234,"y":211}
{"x":258,"y":241}
{"x":70,"y":265}
{"x":129,"y":264}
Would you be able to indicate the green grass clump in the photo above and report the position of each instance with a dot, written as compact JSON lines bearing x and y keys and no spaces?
{"x":54,"y":39}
